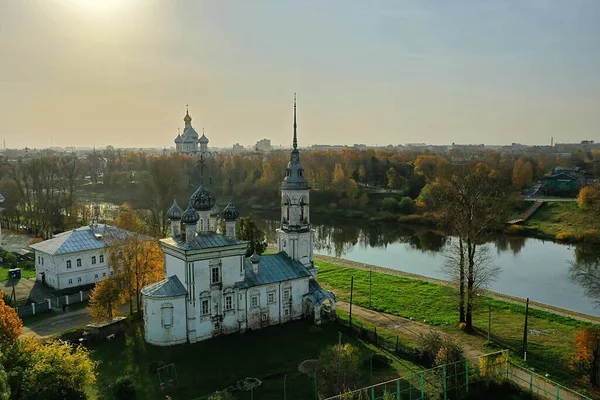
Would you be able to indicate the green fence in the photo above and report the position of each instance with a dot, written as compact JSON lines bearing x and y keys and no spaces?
{"x":449,"y":381}
{"x":540,"y":385}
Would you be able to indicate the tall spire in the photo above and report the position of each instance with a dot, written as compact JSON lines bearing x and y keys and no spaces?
{"x":295,"y":125}
{"x":187,"y":119}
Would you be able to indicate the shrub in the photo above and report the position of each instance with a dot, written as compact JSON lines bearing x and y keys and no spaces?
{"x":10,"y":259}
{"x":339,"y":367}
{"x":333,"y":206}
{"x":591,"y":236}
{"x":568,"y":236}
{"x":124,"y":389}
{"x":406,"y":206}
{"x":389,"y":204}
{"x":35,"y":240}
{"x":440,"y":350}
{"x":221,"y":396}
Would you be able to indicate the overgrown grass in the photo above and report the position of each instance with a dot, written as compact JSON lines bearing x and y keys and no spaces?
{"x":553,"y":218}
{"x":25,"y":272}
{"x":550,"y":341}
{"x":268,"y":354}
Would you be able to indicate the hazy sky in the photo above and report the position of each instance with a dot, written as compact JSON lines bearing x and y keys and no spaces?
{"x":377,"y":72}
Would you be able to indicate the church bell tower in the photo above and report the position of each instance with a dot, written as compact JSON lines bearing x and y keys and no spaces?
{"x":295,"y":237}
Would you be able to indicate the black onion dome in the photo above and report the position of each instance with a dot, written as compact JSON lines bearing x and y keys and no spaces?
{"x":190,"y":216}
{"x":202,"y":199}
{"x":230,"y":213}
{"x":174,"y":213}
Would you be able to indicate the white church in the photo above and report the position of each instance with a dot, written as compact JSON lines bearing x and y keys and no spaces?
{"x":189,"y":143}
{"x":212,"y":289}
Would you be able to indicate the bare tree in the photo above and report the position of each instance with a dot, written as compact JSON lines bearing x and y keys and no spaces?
{"x":586,"y":273}
{"x":484,"y":270}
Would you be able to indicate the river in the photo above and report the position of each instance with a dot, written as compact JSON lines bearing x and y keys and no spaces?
{"x":528,"y":267}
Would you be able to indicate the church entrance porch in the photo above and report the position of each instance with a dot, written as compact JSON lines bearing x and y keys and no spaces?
{"x":319,"y":304}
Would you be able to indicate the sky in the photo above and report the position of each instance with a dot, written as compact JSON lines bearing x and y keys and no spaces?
{"x":120,"y":72}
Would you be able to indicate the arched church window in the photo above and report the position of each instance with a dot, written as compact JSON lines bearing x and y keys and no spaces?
{"x":288,"y":172}
{"x":300,"y":172}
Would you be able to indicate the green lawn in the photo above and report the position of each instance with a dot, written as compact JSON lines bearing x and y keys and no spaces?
{"x":555,"y":217}
{"x":25,"y":273}
{"x":204,"y":367}
{"x":548,"y":350}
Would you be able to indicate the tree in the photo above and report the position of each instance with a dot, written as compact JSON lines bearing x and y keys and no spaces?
{"x":11,"y":325}
{"x":586,"y":356}
{"x":247,"y":229}
{"x":339,"y":368}
{"x":51,"y":371}
{"x":406,"y":206}
{"x":483,"y":273}
{"x":136,"y":261}
{"x":589,"y":198}
{"x":522,"y":174}
{"x":4,"y":384}
{"x":441,"y":349}
{"x":105,"y":300}
{"x":394,"y":181}
{"x":585,"y":271}
{"x":129,"y":220}
{"x":470,"y":201}
{"x":124,"y":389}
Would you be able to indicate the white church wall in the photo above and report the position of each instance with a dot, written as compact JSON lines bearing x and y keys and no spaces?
{"x":174,"y":266}
{"x":165,"y":320}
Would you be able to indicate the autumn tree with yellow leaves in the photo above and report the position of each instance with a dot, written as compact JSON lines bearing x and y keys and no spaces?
{"x":586,"y":356}
{"x":11,"y":325}
{"x":105,"y":300}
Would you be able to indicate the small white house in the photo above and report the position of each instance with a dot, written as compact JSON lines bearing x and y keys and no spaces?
{"x":75,"y":258}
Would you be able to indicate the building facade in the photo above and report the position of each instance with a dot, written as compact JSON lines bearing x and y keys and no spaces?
{"x":75,"y":258}
{"x":212,"y":288}
{"x":189,"y":142}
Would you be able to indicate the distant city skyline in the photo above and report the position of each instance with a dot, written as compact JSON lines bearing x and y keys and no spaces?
{"x":120,"y":72}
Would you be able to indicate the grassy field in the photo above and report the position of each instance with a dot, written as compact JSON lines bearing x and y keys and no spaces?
{"x":204,"y":367}
{"x":25,"y":273}
{"x":550,"y":341}
{"x":556,"y":217}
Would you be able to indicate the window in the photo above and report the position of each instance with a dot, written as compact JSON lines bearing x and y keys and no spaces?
{"x":68,"y":264}
{"x":167,"y":315}
{"x":78,"y":262}
{"x":93,"y":260}
{"x":96,"y":276}
{"x":264,"y":317}
{"x":39,"y":260}
{"x":215,"y":278}
{"x":254,"y":301}
{"x":79,"y":279}
{"x":271,"y":298}
{"x":205,"y":309}
{"x":286,"y":311}
{"x":111,"y":273}
{"x":101,"y":258}
{"x":42,"y":260}
{"x":228,"y":303}
{"x":103,"y":274}
{"x":70,"y":281}
{"x":217,"y":326}
{"x":286,"y":294}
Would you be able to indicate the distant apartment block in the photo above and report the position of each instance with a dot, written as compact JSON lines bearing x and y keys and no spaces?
{"x":237,"y":149}
{"x":263,"y":145}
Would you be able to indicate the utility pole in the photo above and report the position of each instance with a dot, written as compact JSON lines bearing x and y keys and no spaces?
{"x":525,"y":332}
{"x":370,"y":285}
{"x":489,"y":318}
{"x":351,"y":291}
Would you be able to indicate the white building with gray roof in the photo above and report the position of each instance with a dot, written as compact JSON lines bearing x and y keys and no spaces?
{"x":212,"y":288}
{"x":75,"y":258}
{"x":189,"y":142}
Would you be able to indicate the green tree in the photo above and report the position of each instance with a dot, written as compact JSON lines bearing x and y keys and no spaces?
{"x":406,"y":206}
{"x":124,"y":389}
{"x":4,"y":384}
{"x":50,"y":371}
{"x":247,"y":229}
{"x":339,"y":369}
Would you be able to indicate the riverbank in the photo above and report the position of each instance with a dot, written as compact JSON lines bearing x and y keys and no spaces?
{"x":433,"y":302}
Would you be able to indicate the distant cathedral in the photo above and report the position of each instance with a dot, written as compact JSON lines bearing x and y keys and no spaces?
{"x":188,"y":142}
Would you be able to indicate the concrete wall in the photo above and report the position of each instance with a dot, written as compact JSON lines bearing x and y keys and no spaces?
{"x":164,"y":328}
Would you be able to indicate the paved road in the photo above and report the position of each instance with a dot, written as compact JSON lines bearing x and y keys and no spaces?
{"x":62,"y":322}
{"x":12,"y":241}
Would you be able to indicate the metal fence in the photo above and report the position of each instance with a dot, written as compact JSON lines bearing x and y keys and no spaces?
{"x":55,"y":302}
{"x":540,"y":385}
{"x":449,"y":381}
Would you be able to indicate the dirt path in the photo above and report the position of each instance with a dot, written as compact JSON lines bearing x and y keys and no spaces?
{"x":403,"y":327}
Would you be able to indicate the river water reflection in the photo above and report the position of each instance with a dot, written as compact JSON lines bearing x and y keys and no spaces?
{"x":540,"y":270}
